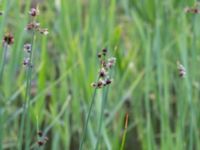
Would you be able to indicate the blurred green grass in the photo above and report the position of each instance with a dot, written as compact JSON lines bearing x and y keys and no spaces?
{"x":147,"y":37}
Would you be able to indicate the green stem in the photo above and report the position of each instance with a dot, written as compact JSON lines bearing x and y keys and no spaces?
{"x":27,"y":99}
{"x":104,"y":100}
{"x":3,"y":61}
{"x":87,"y":120}
{"x":124,"y":134}
{"x":1,"y":109}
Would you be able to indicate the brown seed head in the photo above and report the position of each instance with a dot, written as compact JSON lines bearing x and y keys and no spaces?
{"x":40,"y":143}
{"x":40,"y":133}
{"x":99,"y":84}
{"x":8,"y":39}
{"x":102,"y":73}
{"x":104,"y":51}
{"x":26,"y":62}
{"x":27,"y":47}
{"x":32,"y":26}
{"x":108,"y":81}
{"x":34,"y":12}
{"x":99,"y":55}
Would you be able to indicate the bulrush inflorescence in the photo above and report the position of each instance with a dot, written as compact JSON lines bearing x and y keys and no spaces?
{"x":41,"y":139}
{"x":32,"y":27}
{"x":193,"y":10}
{"x":181,"y":69}
{"x":8,"y":39}
{"x":106,"y":65}
{"x":35,"y":25}
{"x":104,"y":80}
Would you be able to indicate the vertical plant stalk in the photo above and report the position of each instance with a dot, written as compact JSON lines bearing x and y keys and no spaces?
{"x":102,"y":81}
{"x":5,"y":49}
{"x":124,"y":134}
{"x":104,"y":100}
{"x":27,"y":99}
{"x":88,"y":117}
{"x":1,"y":78}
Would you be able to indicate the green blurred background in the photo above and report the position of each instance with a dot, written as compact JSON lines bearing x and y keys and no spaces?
{"x":147,"y":37}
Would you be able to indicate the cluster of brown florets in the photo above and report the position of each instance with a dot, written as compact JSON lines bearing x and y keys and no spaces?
{"x":106,"y":65}
{"x":35,"y":25}
{"x":27,"y":49}
{"x":8,"y":39}
{"x":193,"y":10}
{"x":181,"y":69}
{"x":42,"y":140}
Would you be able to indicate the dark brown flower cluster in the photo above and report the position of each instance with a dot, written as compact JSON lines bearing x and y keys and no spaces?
{"x":35,"y":25}
{"x":42,"y":139}
{"x":27,"y":49}
{"x":181,"y":69}
{"x":192,"y":10}
{"x":106,"y":65}
{"x":8,"y":39}
{"x":34,"y":12}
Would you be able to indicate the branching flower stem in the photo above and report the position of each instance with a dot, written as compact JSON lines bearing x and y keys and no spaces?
{"x":26,"y":105}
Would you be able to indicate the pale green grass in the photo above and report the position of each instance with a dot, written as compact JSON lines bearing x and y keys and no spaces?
{"x":147,"y":38}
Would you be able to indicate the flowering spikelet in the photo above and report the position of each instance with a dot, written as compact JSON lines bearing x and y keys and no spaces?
{"x":35,"y":25}
{"x":106,"y":65}
{"x":8,"y":39}
{"x":27,"y":47}
{"x":193,"y":10}
{"x":34,"y":12}
{"x":41,"y":138}
{"x":181,"y":69}
{"x":32,"y":26}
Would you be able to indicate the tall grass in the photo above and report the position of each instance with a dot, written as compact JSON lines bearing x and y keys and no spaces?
{"x":147,"y":38}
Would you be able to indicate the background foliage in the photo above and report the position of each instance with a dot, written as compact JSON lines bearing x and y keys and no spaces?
{"x":147,"y":38}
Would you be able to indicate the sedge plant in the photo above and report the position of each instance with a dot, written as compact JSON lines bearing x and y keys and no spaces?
{"x":103,"y":81}
{"x":32,"y":27}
